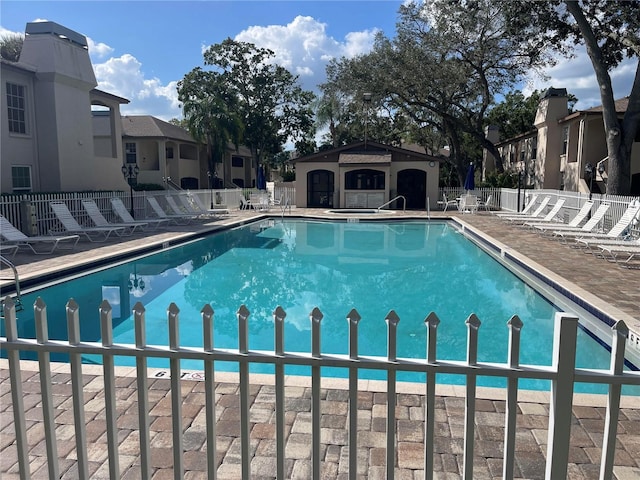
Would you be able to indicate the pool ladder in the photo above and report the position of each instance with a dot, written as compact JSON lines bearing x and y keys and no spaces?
{"x":404,"y":203}
{"x":18,"y":299}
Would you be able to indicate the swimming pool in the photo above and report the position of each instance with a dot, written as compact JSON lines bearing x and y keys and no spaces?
{"x":411,"y":267}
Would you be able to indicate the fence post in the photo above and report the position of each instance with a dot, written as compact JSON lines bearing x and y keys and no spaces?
{"x":243,"y":348}
{"x":353,"y":318}
{"x":173,"y":318}
{"x":315,"y":317}
{"x":106,"y":330}
{"x":278,"y":318}
{"x":392,"y":329}
{"x":432,"y":321}
{"x":209,"y":391}
{"x":473,"y":324}
{"x":620,"y":333}
{"x":560,"y":409}
{"x":143,"y":395}
{"x":515,"y":325}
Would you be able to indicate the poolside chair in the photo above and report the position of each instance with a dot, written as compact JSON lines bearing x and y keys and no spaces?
{"x":178,"y":219}
{"x":592,"y":223}
{"x":549,"y":217}
{"x":8,"y":251}
{"x":486,"y":204}
{"x":446,"y":203}
{"x":121,"y":211}
{"x":71,"y":225}
{"x":245,"y":204}
{"x":574,"y":223}
{"x":98,"y":219}
{"x":525,"y":210}
{"x":193,"y":204}
{"x":622,"y":254}
{"x":468,"y":204}
{"x":535,"y":214}
{"x":582,"y":239}
{"x":12,"y":236}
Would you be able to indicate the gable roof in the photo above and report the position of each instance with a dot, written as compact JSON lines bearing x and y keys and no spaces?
{"x":151,"y":127}
{"x":370,"y":150}
{"x":621,"y":107}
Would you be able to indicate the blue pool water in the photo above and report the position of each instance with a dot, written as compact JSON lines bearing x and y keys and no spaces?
{"x":412,"y":267}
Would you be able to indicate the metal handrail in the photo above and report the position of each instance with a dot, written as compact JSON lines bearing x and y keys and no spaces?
{"x":18,"y":301}
{"x":404,"y":202}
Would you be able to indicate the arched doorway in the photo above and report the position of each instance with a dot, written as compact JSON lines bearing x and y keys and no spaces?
{"x":412,"y":184}
{"x":320,"y":188}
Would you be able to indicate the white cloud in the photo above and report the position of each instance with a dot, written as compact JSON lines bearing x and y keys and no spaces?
{"x":99,"y":50}
{"x":577,"y":76}
{"x":123,"y":76}
{"x":303,"y":46}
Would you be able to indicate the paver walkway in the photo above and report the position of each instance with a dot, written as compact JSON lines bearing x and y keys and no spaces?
{"x":613,"y":284}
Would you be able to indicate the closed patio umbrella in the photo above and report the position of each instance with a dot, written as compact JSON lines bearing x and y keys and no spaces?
{"x":261,"y":182}
{"x":469,"y":182}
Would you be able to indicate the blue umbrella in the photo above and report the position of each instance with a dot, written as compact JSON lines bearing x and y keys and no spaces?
{"x":469,"y":182}
{"x":261,"y":183}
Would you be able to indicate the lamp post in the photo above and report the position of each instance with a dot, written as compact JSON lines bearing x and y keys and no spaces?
{"x":588,"y":170}
{"x":601,"y":172}
{"x":210,"y":186}
{"x":366,"y":98}
{"x":130,"y":173}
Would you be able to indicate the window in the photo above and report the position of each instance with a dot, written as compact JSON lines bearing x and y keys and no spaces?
{"x":565,"y":140}
{"x":237,"y":161}
{"x":534,"y":148}
{"x":130,"y":152}
{"x":16,"y":108}
{"x":365,"y":179}
{"x":21,"y":178}
{"x":169,"y":151}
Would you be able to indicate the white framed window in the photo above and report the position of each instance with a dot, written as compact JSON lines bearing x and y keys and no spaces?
{"x":130,"y":152}
{"x":16,"y":108}
{"x":21,"y":178}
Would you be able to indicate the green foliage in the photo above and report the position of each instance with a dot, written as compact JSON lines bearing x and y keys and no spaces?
{"x":289,"y":176}
{"x":271,"y":106}
{"x":500,"y":180}
{"x":11,"y":46}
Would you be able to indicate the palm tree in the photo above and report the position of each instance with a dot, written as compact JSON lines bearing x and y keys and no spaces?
{"x":213,"y":120}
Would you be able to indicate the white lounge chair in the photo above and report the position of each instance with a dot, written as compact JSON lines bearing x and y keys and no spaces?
{"x":193,"y":205}
{"x":121,"y":211}
{"x":592,"y":223}
{"x":574,"y":223}
{"x":549,"y":217}
{"x":98,"y":219}
{"x":535,"y":214}
{"x":622,"y":254}
{"x":525,"y":211}
{"x":71,"y":225}
{"x":177,"y":210}
{"x":8,"y":251}
{"x":446,"y":203}
{"x":178,"y":219}
{"x":11,"y":235}
{"x":582,"y":238}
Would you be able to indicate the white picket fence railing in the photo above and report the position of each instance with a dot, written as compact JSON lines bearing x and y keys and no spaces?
{"x":562,"y":374}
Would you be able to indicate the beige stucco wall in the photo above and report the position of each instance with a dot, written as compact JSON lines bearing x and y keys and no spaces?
{"x":391,"y":175}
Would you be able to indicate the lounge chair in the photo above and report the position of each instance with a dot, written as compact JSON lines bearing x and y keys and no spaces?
{"x":468,"y":204}
{"x":8,"y":251}
{"x":71,"y":225}
{"x":549,"y":217}
{"x":96,"y":217}
{"x":574,"y":223}
{"x":524,"y":218}
{"x":525,"y":211}
{"x":582,"y":238}
{"x":12,"y":236}
{"x":592,"y":223}
{"x":486,"y":204}
{"x":121,"y":211}
{"x":186,"y":211}
{"x":199,"y":206}
{"x":446,"y":203}
{"x":622,"y":254}
{"x":178,"y":219}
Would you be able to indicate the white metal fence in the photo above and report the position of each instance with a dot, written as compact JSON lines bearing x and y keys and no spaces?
{"x":562,"y":374}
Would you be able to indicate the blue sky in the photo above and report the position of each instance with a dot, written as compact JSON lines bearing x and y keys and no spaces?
{"x":141,"y":49}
